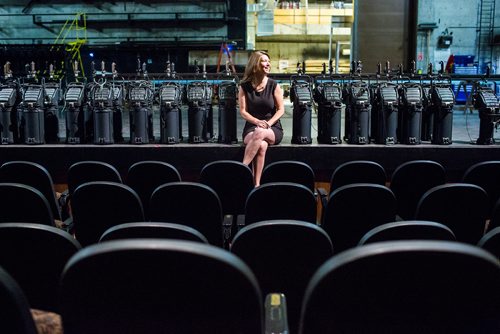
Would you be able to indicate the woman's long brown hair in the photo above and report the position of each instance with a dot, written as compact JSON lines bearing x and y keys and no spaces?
{"x":252,"y":65}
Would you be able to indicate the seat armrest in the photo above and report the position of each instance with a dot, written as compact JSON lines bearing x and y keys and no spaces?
{"x":240,"y":222}
{"x":227,"y":228}
{"x":276,"y":314}
{"x":68,"y":226}
{"x":323,"y":200}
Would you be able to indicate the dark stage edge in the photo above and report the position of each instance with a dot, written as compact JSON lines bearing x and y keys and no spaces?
{"x":190,"y":158}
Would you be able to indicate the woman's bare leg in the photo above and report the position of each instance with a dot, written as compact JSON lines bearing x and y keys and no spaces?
{"x":256,"y":146}
{"x":258,"y":162}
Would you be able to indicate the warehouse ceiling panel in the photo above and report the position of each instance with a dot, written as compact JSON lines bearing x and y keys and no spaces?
{"x":180,"y":23}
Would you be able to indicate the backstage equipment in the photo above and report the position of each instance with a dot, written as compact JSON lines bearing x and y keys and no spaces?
{"x":140,"y":97}
{"x":410,"y":108}
{"x":170,"y":94}
{"x":51,"y":107}
{"x":384,"y":116}
{"x":328,"y":96}
{"x":488,"y":106}
{"x":118,"y":90}
{"x":442,"y":107}
{"x":170,"y":98}
{"x":427,"y":110}
{"x":76,"y":114}
{"x":101,"y":104}
{"x":32,"y":126}
{"x":427,"y":116}
{"x":356,"y":96}
{"x":10,"y":92}
{"x":411,"y":96}
{"x":32,"y":114}
{"x":78,"y":120}
{"x":442,"y":101}
{"x":199,"y":96}
{"x":302,"y":100}
{"x":227,"y":92}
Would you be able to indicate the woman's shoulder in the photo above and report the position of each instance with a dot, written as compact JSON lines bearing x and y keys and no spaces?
{"x":272,"y":83}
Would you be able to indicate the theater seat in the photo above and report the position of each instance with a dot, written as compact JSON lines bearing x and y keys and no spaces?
{"x":89,"y":170}
{"x":23,"y":203}
{"x":280,"y":200}
{"x":14,"y":308}
{"x":99,"y":205}
{"x":354,"y":209}
{"x":408,"y":230}
{"x":34,"y":175}
{"x":159,"y":286}
{"x":232,"y":181}
{"x":357,"y":171}
{"x":289,"y":171}
{"x":154,"y":230}
{"x":460,"y":206}
{"x":192,"y":204}
{"x":283,"y":254}
{"x":35,"y":255}
{"x":145,"y":176}
{"x":405,"y":287}
{"x":485,"y":174}
{"x":411,"y":180}
{"x":491,"y":242}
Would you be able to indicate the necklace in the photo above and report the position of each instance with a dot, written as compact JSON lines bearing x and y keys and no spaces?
{"x":260,"y":86}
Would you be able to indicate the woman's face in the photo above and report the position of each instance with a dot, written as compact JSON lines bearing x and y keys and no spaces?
{"x":265,"y":64}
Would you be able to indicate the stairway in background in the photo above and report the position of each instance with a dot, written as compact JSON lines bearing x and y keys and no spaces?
{"x":485,"y":25}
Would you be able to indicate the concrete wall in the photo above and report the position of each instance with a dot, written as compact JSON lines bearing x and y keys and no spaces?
{"x":380,"y":33}
{"x":457,"y":17}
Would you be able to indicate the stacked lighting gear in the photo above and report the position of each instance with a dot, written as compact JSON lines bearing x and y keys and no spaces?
{"x":32,"y":127}
{"x":170,"y":98}
{"x":356,"y":96}
{"x":427,"y":110}
{"x":101,"y":105}
{"x":53,"y":97}
{"x":199,"y":96}
{"x":442,"y":102}
{"x":328,"y":96}
{"x":227,"y":93}
{"x":302,"y":100}
{"x":76,"y":112}
{"x":385,"y":109}
{"x":10,"y":96}
{"x":140,"y":97}
{"x":118,"y":90}
{"x":488,"y":106}
{"x":411,"y":106}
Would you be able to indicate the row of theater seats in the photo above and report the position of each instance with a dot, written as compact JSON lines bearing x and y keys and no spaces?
{"x":360,"y":197}
{"x":279,"y":257}
{"x":165,"y":278}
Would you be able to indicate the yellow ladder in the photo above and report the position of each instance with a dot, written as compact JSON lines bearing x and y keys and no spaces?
{"x":74,"y":30}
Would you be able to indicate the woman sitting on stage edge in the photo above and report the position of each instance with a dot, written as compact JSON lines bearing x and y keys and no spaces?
{"x":261,"y":105}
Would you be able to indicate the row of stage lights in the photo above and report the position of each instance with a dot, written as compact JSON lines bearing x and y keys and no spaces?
{"x":384,"y":108}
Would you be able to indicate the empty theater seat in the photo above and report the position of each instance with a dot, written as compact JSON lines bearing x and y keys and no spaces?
{"x":405,"y":287}
{"x":159,"y":286}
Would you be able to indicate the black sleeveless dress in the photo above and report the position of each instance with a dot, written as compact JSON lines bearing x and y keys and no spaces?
{"x":261,"y":105}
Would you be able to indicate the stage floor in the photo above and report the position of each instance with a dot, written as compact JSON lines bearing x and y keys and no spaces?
{"x":190,"y":158}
